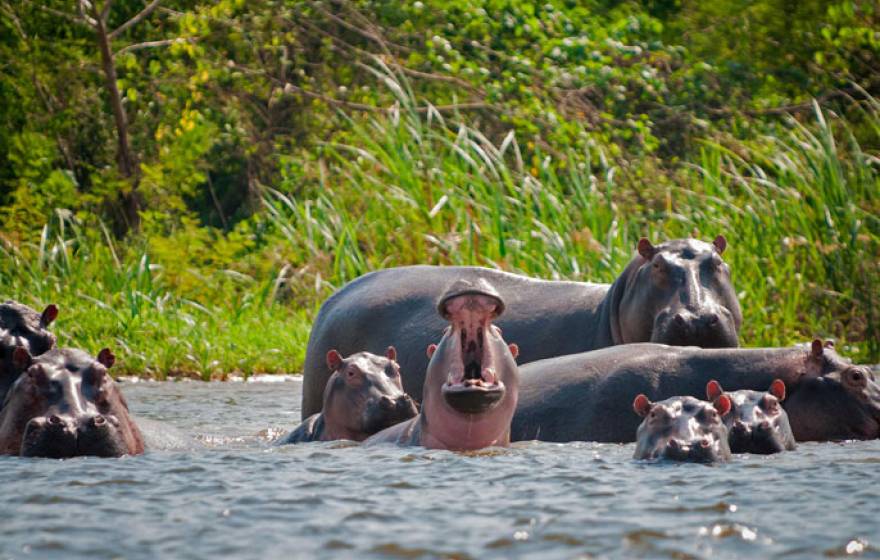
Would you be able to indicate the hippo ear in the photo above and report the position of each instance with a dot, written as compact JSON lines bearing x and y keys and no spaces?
{"x":106,"y":358}
{"x":720,"y":244}
{"x":391,"y":353}
{"x":49,"y":315}
{"x":21,"y":358}
{"x":777,"y":389}
{"x":334,"y":359}
{"x":816,"y":348}
{"x":514,"y":350}
{"x":646,"y":250}
{"x":39,"y":376}
{"x":722,"y":405}
{"x":431,"y":349}
{"x":713,"y":390}
{"x":642,"y":405}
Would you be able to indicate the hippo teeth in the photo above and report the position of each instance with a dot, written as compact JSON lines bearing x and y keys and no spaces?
{"x":489,"y":376}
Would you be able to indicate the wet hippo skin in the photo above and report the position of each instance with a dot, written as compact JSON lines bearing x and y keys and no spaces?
{"x":678,"y":292}
{"x":66,"y":404}
{"x":471,"y":385}
{"x":23,"y":334}
{"x":363,"y":396}
{"x":587,"y":396}
{"x":682,"y":429}
{"x":757,"y":423}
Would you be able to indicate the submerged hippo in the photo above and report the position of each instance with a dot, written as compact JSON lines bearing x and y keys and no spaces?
{"x":587,"y":396}
{"x":682,"y":429}
{"x":363,"y":396}
{"x":67,"y":405}
{"x":757,"y":423}
{"x":678,"y":292}
{"x":23,"y":333}
{"x":470,"y":388}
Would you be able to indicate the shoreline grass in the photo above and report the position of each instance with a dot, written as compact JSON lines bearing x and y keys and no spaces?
{"x":800,"y":211}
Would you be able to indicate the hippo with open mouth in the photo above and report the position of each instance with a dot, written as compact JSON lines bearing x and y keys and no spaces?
{"x":678,"y":292}
{"x":471,"y":385}
{"x":682,"y":429}
{"x":65,"y":405}
{"x":23,"y":334}
{"x":363,"y":396}
{"x":757,"y":423}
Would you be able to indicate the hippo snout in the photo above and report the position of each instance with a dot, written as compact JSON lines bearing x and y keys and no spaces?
{"x":51,"y":436}
{"x":97,"y":435}
{"x":712,"y":327}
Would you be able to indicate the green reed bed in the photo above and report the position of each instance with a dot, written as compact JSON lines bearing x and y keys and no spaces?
{"x":799,"y":208}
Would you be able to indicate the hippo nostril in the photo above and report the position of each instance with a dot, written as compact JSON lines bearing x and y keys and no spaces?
{"x":712,"y":319}
{"x":764,"y":425}
{"x":386,"y":402}
{"x":679,"y":319}
{"x":673,"y":444}
{"x":55,"y":420}
{"x":705,"y":442}
{"x":99,"y":420}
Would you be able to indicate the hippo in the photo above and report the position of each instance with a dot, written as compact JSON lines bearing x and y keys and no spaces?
{"x":682,"y":429}
{"x":586,"y":396}
{"x":363,"y":396}
{"x":678,"y":292}
{"x":24,"y":328}
{"x":66,"y":404}
{"x":757,"y":423}
{"x":472,"y":381}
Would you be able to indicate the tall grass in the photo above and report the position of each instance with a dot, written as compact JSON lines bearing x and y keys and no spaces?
{"x":117,"y":297}
{"x":800,"y":211}
{"x":799,"y":208}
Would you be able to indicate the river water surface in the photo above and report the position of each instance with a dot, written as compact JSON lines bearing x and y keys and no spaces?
{"x":219,"y":489}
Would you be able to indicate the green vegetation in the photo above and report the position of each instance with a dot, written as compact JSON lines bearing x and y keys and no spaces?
{"x":270,"y":151}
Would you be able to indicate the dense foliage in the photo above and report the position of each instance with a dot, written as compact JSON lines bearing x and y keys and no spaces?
{"x":190,"y":179}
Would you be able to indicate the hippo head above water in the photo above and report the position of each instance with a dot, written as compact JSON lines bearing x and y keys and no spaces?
{"x":834,"y":399}
{"x":677,"y":293}
{"x":471,"y":385}
{"x":66,"y":405}
{"x":757,"y":423}
{"x":682,"y":429}
{"x":23,"y":333}
{"x":364,"y":395}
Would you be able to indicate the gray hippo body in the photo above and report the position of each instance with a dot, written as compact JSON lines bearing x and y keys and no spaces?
{"x":678,"y":292}
{"x":588,"y":396}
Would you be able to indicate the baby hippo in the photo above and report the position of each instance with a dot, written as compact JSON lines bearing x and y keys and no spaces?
{"x":66,"y":404}
{"x":682,"y":429}
{"x":757,"y":422}
{"x":363,"y":396}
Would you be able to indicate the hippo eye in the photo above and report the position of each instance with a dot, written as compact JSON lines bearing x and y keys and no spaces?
{"x":769,"y":403}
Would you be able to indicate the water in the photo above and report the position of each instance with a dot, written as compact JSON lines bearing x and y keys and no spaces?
{"x":226,"y":492}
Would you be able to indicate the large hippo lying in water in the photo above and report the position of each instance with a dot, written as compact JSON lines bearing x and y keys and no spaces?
{"x":23,"y":333}
{"x":470,"y":388}
{"x":587,"y":396}
{"x":682,"y":429}
{"x":678,"y":292}
{"x":66,"y":405}
{"x":363,"y":396}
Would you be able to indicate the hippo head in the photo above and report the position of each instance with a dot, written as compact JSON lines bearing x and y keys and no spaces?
{"x":22,"y":328}
{"x":67,"y":405}
{"x":840,"y":404}
{"x":364,"y":395}
{"x":471,"y":385}
{"x":677,"y":293}
{"x":682,"y":429}
{"x":757,"y":423}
